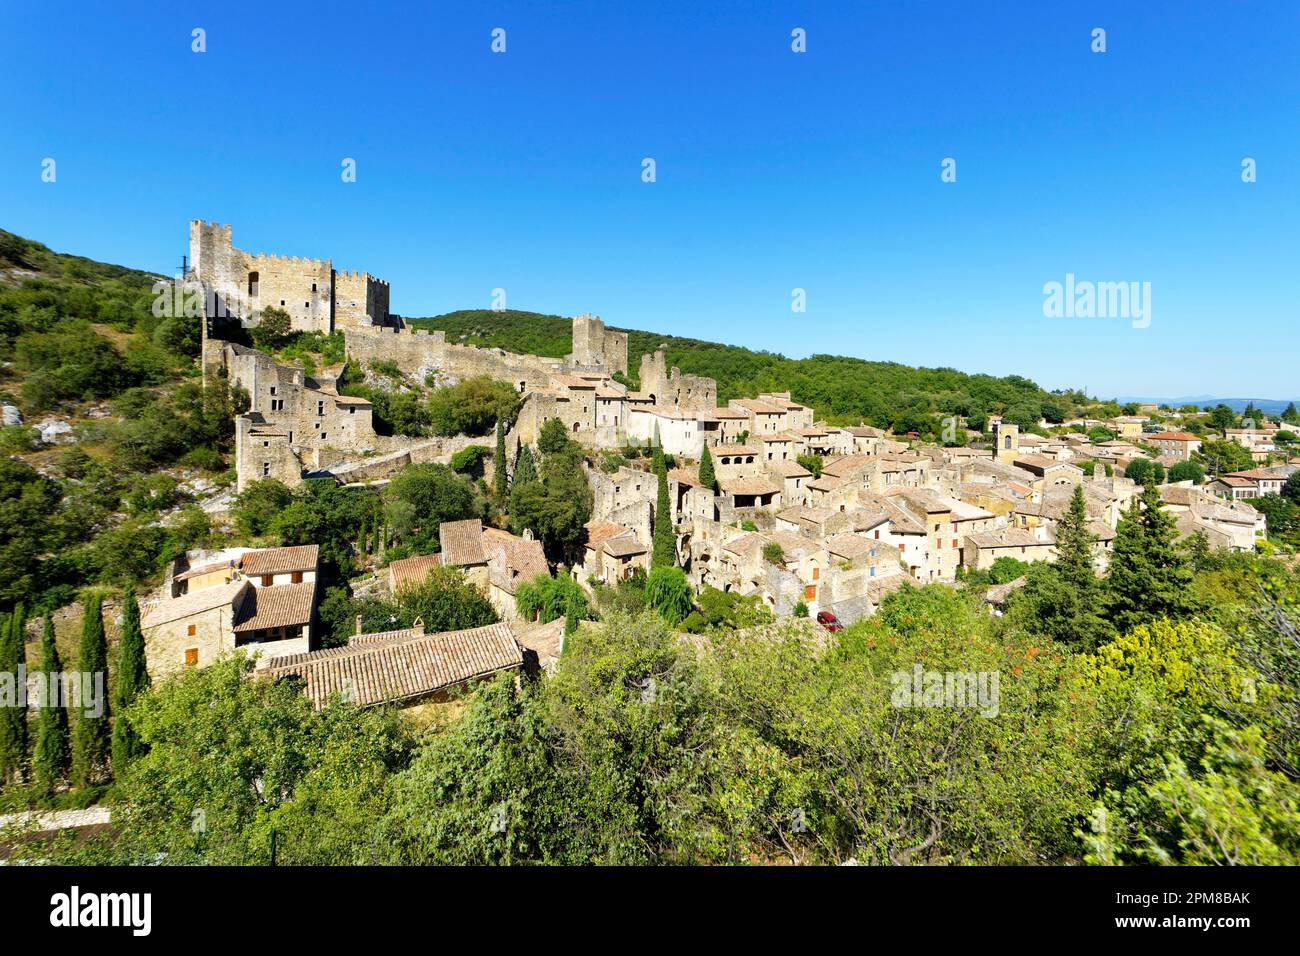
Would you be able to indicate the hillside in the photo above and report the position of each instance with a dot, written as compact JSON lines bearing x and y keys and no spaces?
{"x":843,"y":390}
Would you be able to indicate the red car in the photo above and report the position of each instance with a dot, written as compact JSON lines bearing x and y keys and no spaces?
{"x":829,"y":621}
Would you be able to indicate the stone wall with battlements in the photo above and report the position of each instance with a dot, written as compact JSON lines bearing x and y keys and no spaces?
{"x":594,"y":346}
{"x":420,"y":353}
{"x":317,"y":298}
{"x":690,"y":393}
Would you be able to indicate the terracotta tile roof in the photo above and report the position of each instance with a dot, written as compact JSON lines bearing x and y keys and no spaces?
{"x":462,"y":542}
{"x":721,"y":413}
{"x":378,"y":637}
{"x":206,"y":569}
{"x":749,"y":486}
{"x":787,"y":469}
{"x":513,"y":559}
{"x":188,"y":604}
{"x":684,"y":476}
{"x":848,"y":546}
{"x":403,"y":669}
{"x":303,"y":557}
{"x":599,"y":531}
{"x":624,"y":546}
{"x":285,"y":605}
{"x":409,"y":572}
{"x":1007,"y":538}
{"x":761,"y":408}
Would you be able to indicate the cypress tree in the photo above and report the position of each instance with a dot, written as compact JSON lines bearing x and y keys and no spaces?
{"x":91,"y":738}
{"x":499,"y":463}
{"x":132,"y":680}
{"x":525,"y":466}
{"x":51,"y":759}
{"x":1065,"y":597}
{"x":707,"y":478}
{"x":1149,"y":575}
{"x":13,"y":714}
{"x":664,"y":553}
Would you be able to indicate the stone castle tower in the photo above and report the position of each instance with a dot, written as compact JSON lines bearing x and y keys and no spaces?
{"x":594,"y":346}
{"x":317,"y":298}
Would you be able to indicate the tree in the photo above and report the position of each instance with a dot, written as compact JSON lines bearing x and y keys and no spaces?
{"x":91,"y":737}
{"x":13,"y":709}
{"x":1290,"y":415}
{"x":51,"y":759}
{"x":669,"y":593}
{"x":421,"y":497}
{"x":1224,"y":457}
{"x":259,"y":504}
{"x":1222,"y":417}
{"x":1291,"y":490}
{"x":556,"y":506}
{"x":499,"y":462}
{"x":813,"y":463}
{"x":525,"y":466}
{"x":132,"y":680}
{"x":707,"y":478}
{"x":665,"y":545}
{"x":773,"y":553}
{"x":1187,"y":471}
{"x":273,"y":330}
{"x":1142,"y":469}
{"x":472,"y":406}
{"x":1063,"y":600}
{"x":549,"y":597}
{"x":553,"y":438}
{"x":1149,"y":577}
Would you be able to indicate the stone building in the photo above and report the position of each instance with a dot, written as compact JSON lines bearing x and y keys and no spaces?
{"x":317,"y":298}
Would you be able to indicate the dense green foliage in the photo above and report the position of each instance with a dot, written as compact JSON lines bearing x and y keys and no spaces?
{"x":91,"y":738}
{"x":132,"y":680}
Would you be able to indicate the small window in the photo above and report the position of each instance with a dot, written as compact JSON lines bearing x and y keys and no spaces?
{"x":267,"y":580}
{"x":272,"y":389}
{"x":191,"y":630}
{"x":296,"y":577}
{"x":252,"y":283}
{"x":191,"y":656}
{"x":282,"y":301}
{"x":313,"y":287}
{"x":266,"y":469}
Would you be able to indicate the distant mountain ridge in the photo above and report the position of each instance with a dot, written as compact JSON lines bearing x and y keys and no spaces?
{"x":1272,"y":406}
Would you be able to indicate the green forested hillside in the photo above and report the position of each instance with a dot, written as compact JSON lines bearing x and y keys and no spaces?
{"x":842,"y":389}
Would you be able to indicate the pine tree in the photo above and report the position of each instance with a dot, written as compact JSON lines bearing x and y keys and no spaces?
{"x":1149,"y":575}
{"x":499,"y":463}
{"x":525,"y":466}
{"x":707,"y":478}
{"x":132,"y":680}
{"x":13,"y":714}
{"x":51,"y":759}
{"x":91,"y":738}
{"x":664,"y":553}
{"x":1081,"y":623}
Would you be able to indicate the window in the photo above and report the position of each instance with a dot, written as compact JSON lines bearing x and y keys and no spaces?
{"x":954,"y":542}
{"x":810,"y":592}
{"x":191,"y":656}
{"x":191,"y":630}
{"x":296,"y":577}
{"x":817,"y":572}
{"x":320,"y":408}
{"x":313,"y":287}
{"x":267,"y":579}
{"x":282,"y":302}
{"x":266,"y":469}
{"x":272,"y":389}
{"x":252,"y":283}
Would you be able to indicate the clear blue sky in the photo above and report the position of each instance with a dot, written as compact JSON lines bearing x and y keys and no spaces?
{"x":775,"y":170}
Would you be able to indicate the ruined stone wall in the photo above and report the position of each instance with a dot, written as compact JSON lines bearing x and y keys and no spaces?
{"x":419,"y":353}
{"x":695,"y":393}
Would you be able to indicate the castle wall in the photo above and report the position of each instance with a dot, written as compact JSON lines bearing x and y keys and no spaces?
{"x":359,"y":299}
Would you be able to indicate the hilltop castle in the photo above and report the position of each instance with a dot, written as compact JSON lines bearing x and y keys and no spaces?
{"x":317,"y":297}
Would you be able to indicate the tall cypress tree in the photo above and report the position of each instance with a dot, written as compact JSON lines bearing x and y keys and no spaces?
{"x":1080,"y":623}
{"x":91,"y":738}
{"x":664,"y":553}
{"x":707,"y":478}
{"x":13,"y":713}
{"x":132,"y":680}
{"x":525,"y":466}
{"x":51,"y":759}
{"x":1149,"y":575}
{"x":499,"y":463}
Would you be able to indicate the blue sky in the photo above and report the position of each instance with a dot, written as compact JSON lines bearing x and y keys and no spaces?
{"x":775,"y":170}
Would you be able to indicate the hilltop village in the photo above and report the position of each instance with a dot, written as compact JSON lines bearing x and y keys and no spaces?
{"x":764,"y":502}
